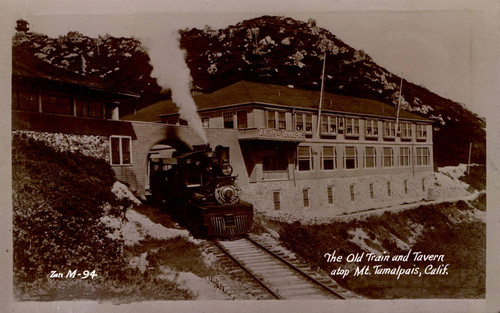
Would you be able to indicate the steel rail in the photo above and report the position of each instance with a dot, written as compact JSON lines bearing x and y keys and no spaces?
{"x":277,"y":296}
{"x":295,"y":268}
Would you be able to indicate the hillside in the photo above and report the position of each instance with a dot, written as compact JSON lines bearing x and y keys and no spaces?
{"x":267,"y":49}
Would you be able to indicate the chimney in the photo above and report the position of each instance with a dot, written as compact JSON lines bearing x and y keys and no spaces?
{"x":22,"y":26}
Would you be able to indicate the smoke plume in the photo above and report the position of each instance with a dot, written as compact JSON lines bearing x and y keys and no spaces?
{"x":170,"y":69}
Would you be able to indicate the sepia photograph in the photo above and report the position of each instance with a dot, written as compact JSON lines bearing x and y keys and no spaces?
{"x":207,"y":156}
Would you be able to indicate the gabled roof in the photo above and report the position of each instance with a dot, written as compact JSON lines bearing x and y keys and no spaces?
{"x":26,"y":65}
{"x":244,"y":92}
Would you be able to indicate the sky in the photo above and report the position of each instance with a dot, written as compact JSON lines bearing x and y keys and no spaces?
{"x":437,"y":45}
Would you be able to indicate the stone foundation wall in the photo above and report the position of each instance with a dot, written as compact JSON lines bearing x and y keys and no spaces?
{"x":291,"y":194}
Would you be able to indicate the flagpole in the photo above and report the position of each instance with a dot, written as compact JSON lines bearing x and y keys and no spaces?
{"x":321,"y":95}
{"x":399,"y":103}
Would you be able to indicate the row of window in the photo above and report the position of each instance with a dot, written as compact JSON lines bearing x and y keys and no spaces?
{"x":352,"y":193}
{"x":330,"y":124}
{"x":27,"y":100}
{"x":350,"y":157}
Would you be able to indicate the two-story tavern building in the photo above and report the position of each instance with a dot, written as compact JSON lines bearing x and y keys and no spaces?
{"x":358,"y":155}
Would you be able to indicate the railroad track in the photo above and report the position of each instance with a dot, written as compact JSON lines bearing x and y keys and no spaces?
{"x":282,"y":278}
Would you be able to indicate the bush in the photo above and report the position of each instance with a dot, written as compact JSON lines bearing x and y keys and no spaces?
{"x":58,"y":200}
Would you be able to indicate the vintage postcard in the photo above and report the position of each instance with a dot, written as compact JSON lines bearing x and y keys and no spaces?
{"x":207,"y":156}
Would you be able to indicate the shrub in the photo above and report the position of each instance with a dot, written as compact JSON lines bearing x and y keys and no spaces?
{"x":58,"y":200}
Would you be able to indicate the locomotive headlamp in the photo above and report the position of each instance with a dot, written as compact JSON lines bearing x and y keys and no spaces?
{"x":227,"y":170}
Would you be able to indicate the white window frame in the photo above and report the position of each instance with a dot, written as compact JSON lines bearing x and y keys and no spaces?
{"x":299,"y":117}
{"x":373,"y":156}
{"x":421,"y":131}
{"x":374,"y":128}
{"x":406,"y":130}
{"x":328,"y":157}
{"x":120,"y":149}
{"x":354,"y":124}
{"x":330,"y":120}
{"x":390,"y":156}
{"x":301,"y":158}
{"x":403,"y":156}
{"x":355,"y":157}
{"x":389,"y":129}
{"x":421,"y":154}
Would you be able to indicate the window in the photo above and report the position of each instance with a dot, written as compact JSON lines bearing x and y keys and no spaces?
{"x":276,"y":200}
{"x":405,"y":184}
{"x":423,"y":184}
{"x":271,"y":119}
{"x":205,"y":122}
{"x":404,"y":156}
{"x":274,"y":161}
{"x":351,"y":191}
{"x":352,"y":126}
{"x":89,"y":108}
{"x":329,"y":193}
{"x":120,"y":150}
{"x":350,"y":158}
{"x":388,"y":157}
{"x":281,"y":120}
{"x":57,"y":104}
{"x":341,"y":122}
{"x":371,"y":128}
{"x":389,"y":192}
{"x":228,"y":120}
{"x":25,"y":100}
{"x":372,"y":195}
{"x":304,"y":158}
{"x":305,"y":197}
{"x":389,"y":129}
{"x":183,"y":122}
{"x":421,"y":131}
{"x":241,"y":117}
{"x":299,"y":121}
{"x":422,"y":156}
{"x":309,"y":124}
{"x":370,"y":157}
{"x":328,"y":158}
{"x":405,"y":130}
{"x":328,"y":124}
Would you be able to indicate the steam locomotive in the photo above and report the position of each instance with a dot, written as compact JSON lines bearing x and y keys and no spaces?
{"x":200,"y":189}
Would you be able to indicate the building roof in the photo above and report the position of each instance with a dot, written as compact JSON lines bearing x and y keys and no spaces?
{"x":244,"y":92}
{"x":26,"y":65}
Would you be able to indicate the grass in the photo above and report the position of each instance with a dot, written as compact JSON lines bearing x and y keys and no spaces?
{"x":463,"y":244}
{"x":178,"y":254}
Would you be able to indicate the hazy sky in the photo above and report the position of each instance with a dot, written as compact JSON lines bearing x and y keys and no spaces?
{"x":436,"y":45}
